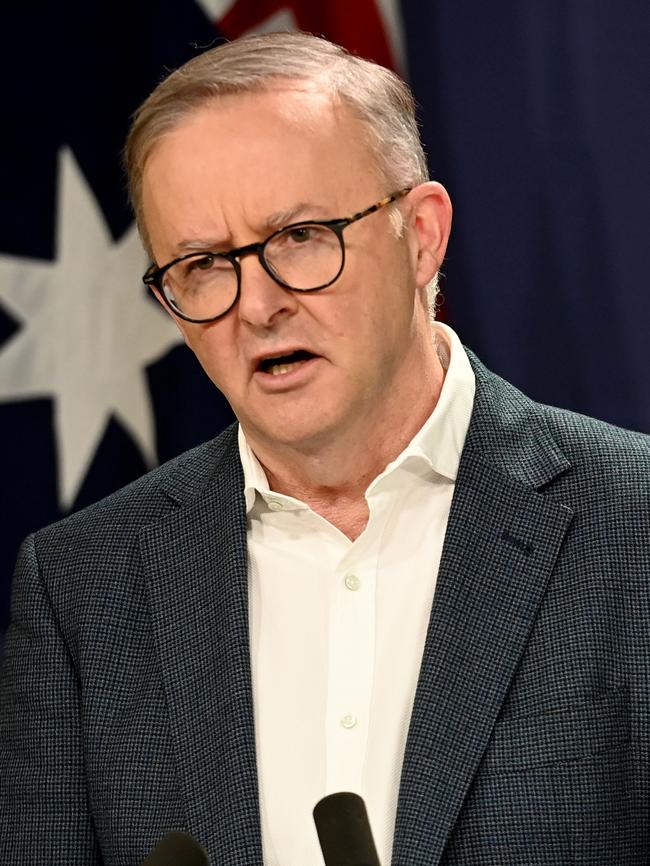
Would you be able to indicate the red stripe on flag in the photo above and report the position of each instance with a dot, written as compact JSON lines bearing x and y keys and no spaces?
{"x":356,"y":26}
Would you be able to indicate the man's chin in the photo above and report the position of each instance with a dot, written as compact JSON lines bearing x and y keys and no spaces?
{"x":307,"y":432}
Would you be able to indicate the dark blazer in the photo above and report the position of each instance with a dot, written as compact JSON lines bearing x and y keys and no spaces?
{"x":125,"y":705}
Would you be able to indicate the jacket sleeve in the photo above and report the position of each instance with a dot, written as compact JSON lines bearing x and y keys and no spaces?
{"x":44,"y":812}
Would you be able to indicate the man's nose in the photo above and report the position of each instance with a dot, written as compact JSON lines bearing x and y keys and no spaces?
{"x":261,"y":299}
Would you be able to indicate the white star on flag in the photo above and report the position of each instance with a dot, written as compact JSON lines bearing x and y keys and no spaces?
{"x":88,"y":332}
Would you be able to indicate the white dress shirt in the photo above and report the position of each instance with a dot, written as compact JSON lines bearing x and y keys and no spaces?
{"x":338,"y":628}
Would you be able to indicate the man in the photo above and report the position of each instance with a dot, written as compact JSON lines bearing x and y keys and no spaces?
{"x":396,"y":575}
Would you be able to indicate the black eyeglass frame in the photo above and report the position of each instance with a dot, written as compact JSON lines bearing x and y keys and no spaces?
{"x":154,"y":275}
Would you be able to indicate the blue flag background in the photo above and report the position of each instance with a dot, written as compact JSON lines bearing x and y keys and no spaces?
{"x":536,"y":118}
{"x":75,"y":74}
{"x":534,"y":115}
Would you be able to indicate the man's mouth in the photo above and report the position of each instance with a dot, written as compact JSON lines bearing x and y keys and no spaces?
{"x":280,"y":364}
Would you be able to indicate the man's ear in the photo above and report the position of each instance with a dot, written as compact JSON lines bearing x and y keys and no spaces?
{"x":429,"y":224}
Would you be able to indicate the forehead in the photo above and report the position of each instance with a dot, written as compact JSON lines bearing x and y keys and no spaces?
{"x":261,"y":153}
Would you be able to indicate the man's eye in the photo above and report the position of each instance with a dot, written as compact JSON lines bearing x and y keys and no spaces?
{"x":301,"y":234}
{"x":202,"y":264}
{"x":205,"y":264}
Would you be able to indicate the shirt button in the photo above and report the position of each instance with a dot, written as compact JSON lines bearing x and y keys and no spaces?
{"x":348,"y":721}
{"x":274,"y":504}
{"x":352,"y":582}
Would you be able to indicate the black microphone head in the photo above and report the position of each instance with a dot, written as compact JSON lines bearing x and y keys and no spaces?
{"x":177,"y":849}
{"x":344,"y":831}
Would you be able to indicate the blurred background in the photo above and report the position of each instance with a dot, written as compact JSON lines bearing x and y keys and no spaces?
{"x":535,"y":117}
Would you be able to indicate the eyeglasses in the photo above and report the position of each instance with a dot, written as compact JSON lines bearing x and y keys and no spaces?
{"x":304,"y":257}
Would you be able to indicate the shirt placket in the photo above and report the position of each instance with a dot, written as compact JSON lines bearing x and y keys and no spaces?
{"x":351,"y":660}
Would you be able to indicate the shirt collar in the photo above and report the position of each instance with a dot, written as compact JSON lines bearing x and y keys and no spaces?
{"x":440,"y":440}
{"x":255,"y":479}
{"x":438,"y":443}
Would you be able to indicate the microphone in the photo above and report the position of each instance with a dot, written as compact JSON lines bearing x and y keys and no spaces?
{"x":344,"y":831}
{"x":177,"y":849}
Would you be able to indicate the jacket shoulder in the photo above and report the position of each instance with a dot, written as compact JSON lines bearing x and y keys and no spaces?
{"x":560,"y":451}
{"x":503,"y":416}
{"x":151,"y":496}
{"x":604,"y":447}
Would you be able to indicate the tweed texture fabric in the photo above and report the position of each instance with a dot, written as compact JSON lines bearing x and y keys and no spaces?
{"x":125,"y":692}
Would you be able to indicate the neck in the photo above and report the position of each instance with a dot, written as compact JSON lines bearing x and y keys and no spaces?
{"x":332,"y":476}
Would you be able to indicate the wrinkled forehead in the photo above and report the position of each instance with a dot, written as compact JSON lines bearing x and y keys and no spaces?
{"x":260,"y":139}
{"x":260,"y":152}
{"x":287,"y":106}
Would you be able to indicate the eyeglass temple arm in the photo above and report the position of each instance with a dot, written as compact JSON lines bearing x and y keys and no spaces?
{"x":378,"y":205}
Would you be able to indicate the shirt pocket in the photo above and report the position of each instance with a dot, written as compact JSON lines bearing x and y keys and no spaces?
{"x":586,"y":729}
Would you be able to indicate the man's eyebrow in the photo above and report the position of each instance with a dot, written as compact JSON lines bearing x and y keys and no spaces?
{"x":199,"y":245}
{"x":299,"y":212}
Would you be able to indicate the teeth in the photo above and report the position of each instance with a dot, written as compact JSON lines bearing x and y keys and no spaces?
{"x":278,"y":369}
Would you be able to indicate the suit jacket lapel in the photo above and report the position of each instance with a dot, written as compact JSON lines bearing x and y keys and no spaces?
{"x":502,"y":540}
{"x":197,"y":572}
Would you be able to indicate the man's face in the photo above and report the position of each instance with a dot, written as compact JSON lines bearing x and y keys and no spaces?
{"x":230,"y":174}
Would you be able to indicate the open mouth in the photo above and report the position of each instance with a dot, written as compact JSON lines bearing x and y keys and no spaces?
{"x":281,"y":364}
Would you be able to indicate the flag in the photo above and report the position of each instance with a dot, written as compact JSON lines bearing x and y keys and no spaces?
{"x":95,"y":385}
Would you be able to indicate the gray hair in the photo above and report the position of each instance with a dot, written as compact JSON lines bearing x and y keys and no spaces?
{"x":375,"y":95}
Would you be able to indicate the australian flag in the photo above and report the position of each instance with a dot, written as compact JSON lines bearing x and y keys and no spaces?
{"x":534,"y":116}
{"x":95,"y":384}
